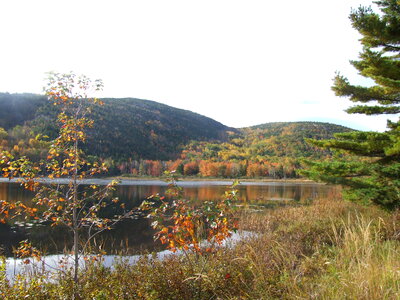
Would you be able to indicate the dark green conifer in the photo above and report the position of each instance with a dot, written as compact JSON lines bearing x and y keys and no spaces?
{"x":372,"y":173}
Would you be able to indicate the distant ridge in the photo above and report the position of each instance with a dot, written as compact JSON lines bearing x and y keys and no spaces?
{"x":16,"y":109}
{"x":124,"y":128}
{"x":302,"y":125}
{"x":289,"y":139}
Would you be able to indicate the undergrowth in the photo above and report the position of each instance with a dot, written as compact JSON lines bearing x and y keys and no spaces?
{"x":330,"y":249}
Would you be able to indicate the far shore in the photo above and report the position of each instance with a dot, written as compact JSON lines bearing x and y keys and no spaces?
{"x":189,"y":178}
{"x":182,"y":180}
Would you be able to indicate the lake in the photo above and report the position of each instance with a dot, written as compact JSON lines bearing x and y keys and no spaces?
{"x":135,"y":236}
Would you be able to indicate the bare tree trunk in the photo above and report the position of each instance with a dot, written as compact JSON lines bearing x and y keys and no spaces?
{"x":75,"y":219}
{"x":76,"y":248}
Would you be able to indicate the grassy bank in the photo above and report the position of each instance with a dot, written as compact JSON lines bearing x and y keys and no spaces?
{"x":327,"y":250}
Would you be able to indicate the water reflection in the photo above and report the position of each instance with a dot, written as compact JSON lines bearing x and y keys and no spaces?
{"x":133,"y":236}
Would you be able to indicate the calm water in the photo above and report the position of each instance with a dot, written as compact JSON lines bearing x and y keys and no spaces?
{"x":133,"y":236}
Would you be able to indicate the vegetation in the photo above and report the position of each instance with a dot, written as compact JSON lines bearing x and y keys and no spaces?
{"x":125,"y":128}
{"x":330,"y":249}
{"x":373,"y":176}
{"x":194,"y":229}
{"x":81,"y":210}
{"x":16,"y":109}
{"x":183,"y":225}
{"x":145,"y":138}
{"x":272,"y":150}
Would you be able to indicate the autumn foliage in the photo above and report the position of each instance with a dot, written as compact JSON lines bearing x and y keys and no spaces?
{"x":183,"y":225}
{"x":80,"y":210}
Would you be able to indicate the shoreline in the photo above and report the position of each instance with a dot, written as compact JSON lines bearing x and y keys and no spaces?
{"x":206,"y":179}
{"x":161,"y":181}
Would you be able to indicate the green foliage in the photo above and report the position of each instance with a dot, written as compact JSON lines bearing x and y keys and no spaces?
{"x":373,"y":176}
{"x":266,"y":142}
{"x":3,"y":133}
{"x":130,"y":135}
{"x":133,"y":136}
{"x":16,"y":109}
{"x":272,"y":150}
{"x":125,"y":128}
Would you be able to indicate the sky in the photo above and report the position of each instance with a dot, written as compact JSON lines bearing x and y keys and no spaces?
{"x":241,"y":63}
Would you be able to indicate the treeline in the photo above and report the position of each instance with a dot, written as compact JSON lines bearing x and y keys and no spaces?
{"x":21,"y":141}
{"x":203,"y":168}
{"x":272,"y":150}
{"x":252,"y":152}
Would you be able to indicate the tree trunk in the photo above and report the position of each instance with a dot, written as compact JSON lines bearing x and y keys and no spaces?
{"x":75,"y":220}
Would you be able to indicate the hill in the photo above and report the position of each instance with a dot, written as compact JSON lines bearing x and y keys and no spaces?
{"x":16,"y":109}
{"x":138,"y":136}
{"x":289,"y":138}
{"x":266,"y":141}
{"x":303,"y":128}
{"x":124,"y":128}
{"x":273,"y":150}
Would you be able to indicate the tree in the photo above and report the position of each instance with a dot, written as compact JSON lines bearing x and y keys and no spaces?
{"x":3,"y":133}
{"x":197,"y":229}
{"x":81,"y":209}
{"x":373,"y":174}
{"x":182,"y":224}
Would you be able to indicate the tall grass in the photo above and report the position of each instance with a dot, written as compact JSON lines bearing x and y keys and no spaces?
{"x":330,"y":249}
{"x":364,"y":264}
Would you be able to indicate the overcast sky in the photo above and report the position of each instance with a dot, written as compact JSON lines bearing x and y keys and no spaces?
{"x":241,"y":63}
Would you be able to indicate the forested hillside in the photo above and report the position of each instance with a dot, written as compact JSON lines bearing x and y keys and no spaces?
{"x":16,"y":109}
{"x":142,"y":137}
{"x":123,"y":128}
{"x":272,"y":150}
{"x":289,"y":138}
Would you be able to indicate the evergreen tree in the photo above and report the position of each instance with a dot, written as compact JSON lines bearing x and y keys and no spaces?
{"x":373,"y":172}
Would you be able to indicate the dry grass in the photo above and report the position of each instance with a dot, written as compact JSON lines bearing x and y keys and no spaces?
{"x":330,"y":249}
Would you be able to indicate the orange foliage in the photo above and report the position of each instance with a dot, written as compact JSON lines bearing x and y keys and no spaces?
{"x":174,"y":165}
{"x":256,"y":170}
{"x":191,"y":168}
{"x":212,"y":221}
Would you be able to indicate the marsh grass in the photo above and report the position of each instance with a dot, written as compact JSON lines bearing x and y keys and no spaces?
{"x":330,"y":249}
